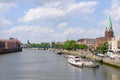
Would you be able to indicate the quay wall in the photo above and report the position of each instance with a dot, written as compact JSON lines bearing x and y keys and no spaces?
{"x":111,"y":62}
{"x":89,"y":56}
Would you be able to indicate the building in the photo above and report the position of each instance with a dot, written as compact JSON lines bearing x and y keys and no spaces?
{"x":89,"y":42}
{"x":109,"y":34}
{"x":114,"y":44}
{"x":11,"y":45}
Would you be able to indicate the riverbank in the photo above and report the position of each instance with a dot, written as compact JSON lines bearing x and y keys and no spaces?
{"x":89,"y":55}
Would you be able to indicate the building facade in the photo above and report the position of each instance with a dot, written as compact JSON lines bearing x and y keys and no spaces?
{"x":89,"y":42}
{"x":114,"y":44}
{"x":109,"y":34}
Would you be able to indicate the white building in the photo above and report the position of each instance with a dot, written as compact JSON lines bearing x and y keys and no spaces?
{"x":114,"y":44}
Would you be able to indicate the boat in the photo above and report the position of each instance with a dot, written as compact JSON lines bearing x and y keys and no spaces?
{"x":74,"y":60}
{"x":80,"y":62}
{"x":59,"y":53}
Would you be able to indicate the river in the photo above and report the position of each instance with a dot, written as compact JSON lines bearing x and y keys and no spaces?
{"x":46,"y":65}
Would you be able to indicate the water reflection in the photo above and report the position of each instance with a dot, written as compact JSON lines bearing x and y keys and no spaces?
{"x":111,"y":73}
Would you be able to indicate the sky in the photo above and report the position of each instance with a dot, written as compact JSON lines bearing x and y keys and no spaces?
{"x":57,"y":20}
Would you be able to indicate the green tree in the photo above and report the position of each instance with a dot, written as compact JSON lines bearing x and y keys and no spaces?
{"x":42,"y":45}
{"x":82,"y":46}
{"x":58,"y":46}
{"x":70,"y":45}
{"x":104,"y":48}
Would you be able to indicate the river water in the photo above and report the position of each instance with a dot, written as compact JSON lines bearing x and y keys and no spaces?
{"x":46,"y":65}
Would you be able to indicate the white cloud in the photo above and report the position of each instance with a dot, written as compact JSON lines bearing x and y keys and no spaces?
{"x":62,"y":25}
{"x":4,"y":7}
{"x":114,"y":12}
{"x":74,"y":31}
{"x":81,"y":32}
{"x":47,"y":2}
{"x":4,"y":21}
{"x":49,"y":12}
{"x":40,"y":34}
{"x":28,"y":32}
{"x":42,"y":13}
{"x":29,"y":29}
{"x":7,"y":1}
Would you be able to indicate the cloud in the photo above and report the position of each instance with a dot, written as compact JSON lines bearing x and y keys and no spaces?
{"x":114,"y":11}
{"x":42,"y":13}
{"x":74,"y":31}
{"x":45,"y":34}
{"x":4,"y":21}
{"x":62,"y":25}
{"x":7,"y":1}
{"x":51,"y":13}
{"x":4,"y":7}
{"x":28,"y":31}
{"x":46,"y":2}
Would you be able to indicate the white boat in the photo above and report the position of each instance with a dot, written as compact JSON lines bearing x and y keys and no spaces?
{"x":77,"y":61}
{"x":74,"y":60}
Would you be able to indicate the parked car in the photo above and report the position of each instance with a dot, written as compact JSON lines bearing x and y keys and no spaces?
{"x":109,"y":53}
{"x":100,"y":55}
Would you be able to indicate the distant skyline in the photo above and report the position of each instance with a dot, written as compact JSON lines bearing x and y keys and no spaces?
{"x":57,"y":20}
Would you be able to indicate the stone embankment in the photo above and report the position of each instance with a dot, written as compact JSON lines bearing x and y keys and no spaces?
{"x":85,"y":54}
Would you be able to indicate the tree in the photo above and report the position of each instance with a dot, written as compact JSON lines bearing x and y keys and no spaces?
{"x":82,"y":46}
{"x":58,"y":46}
{"x":104,"y":48}
{"x":70,"y":45}
{"x":42,"y":45}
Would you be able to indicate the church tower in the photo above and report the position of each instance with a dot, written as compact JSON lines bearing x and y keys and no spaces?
{"x":109,"y":30}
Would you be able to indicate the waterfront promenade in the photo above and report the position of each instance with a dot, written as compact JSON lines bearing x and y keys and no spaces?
{"x":89,"y":55}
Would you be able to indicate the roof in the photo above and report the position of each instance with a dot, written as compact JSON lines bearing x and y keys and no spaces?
{"x":109,"y":24}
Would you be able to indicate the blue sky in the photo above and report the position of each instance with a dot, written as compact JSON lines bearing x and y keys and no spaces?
{"x":57,"y":20}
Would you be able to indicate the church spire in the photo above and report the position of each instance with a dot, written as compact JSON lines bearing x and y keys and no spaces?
{"x":109,"y":24}
{"x":109,"y":31}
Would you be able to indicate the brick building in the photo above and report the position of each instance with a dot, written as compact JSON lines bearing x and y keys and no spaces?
{"x":89,"y":42}
{"x":109,"y":33}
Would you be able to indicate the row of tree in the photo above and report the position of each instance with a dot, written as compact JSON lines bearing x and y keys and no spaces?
{"x":42,"y":45}
{"x":68,"y":45}
{"x":71,"y":45}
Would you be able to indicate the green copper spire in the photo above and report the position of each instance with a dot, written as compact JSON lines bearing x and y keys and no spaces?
{"x":109,"y":24}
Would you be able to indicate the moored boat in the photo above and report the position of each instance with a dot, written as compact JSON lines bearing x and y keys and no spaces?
{"x":59,"y":52}
{"x":74,"y":60}
{"x":77,"y":61}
